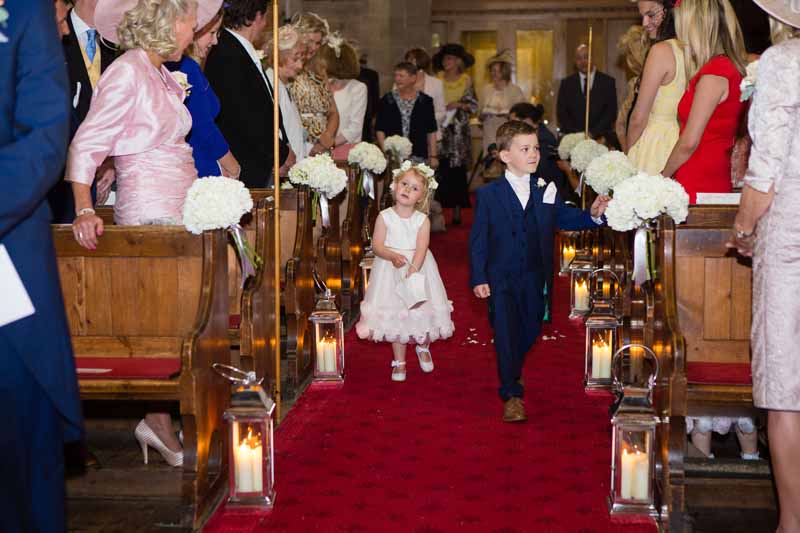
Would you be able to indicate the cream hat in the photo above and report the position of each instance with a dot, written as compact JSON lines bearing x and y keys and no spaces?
{"x":787,"y":11}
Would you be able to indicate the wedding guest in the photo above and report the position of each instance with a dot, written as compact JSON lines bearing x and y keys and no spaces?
{"x":456,"y":152}
{"x":766,"y":229}
{"x":548,"y":145}
{"x":349,"y":94}
{"x":409,"y":113}
{"x":212,"y":155}
{"x":38,"y":386}
{"x":62,"y":12}
{"x":428,"y":83}
{"x":653,"y":129}
{"x":137,"y":117}
{"x":497,"y":97}
{"x":370,"y":78}
{"x":309,"y":89}
{"x":711,"y":109}
{"x":235,"y":73}
{"x":571,"y":104}
{"x":633,"y":45}
{"x":291,"y":53}
{"x":87,"y":57}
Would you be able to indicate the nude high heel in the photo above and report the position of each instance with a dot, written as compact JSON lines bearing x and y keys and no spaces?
{"x":147,"y":437}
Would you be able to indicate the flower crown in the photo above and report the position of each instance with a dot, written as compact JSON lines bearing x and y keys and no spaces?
{"x":335,"y":41}
{"x":421,"y":168}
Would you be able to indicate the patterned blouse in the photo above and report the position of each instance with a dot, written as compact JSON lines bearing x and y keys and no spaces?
{"x":406,"y":108}
{"x":313,"y":101}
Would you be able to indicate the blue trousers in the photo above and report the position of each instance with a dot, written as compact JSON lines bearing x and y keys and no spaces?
{"x":32,"y":489}
{"x":516,"y":309}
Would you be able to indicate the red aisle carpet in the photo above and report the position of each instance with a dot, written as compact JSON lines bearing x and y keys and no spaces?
{"x":432,"y":454}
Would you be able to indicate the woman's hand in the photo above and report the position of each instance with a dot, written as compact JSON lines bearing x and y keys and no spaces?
{"x":86,"y":229}
{"x":398,"y":260}
{"x":744,"y":245}
{"x":327,"y":140}
{"x":433,"y":162}
{"x":454,"y":105}
{"x":411,"y":270}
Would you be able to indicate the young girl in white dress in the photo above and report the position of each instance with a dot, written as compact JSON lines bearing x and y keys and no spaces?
{"x":400,"y":243}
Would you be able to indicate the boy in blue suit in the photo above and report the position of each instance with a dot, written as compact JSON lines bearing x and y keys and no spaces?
{"x":511,"y":253}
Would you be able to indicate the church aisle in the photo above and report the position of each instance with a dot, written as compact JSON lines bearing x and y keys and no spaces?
{"x":432,"y":454}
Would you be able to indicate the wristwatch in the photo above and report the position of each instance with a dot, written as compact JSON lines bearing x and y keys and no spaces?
{"x":85,"y":211}
{"x":741,"y":235}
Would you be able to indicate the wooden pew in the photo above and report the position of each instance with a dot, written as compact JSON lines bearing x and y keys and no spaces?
{"x":701,"y":331}
{"x":148,"y":313}
{"x":353,"y":244}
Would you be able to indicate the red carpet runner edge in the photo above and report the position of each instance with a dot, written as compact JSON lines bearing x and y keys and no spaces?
{"x":432,"y":454}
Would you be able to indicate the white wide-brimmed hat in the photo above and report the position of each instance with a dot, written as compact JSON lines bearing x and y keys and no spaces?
{"x":109,"y":13}
{"x":787,"y":11}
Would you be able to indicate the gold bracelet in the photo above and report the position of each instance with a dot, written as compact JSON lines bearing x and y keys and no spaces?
{"x":85,"y":211}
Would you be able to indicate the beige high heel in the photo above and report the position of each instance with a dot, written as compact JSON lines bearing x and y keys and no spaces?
{"x":147,"y":437}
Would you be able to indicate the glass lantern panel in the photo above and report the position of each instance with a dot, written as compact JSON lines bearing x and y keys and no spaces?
{"x":633,"y":472}
{"x":567,"y":253}
{"x":251,"y":457}
{"x":600,"y":349}
{"x":580,"y":291}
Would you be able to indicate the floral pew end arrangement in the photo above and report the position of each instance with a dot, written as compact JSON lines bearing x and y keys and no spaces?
{"x":567,"y":143}
{"x":607,"y":171}
{"x":217,"y":202}
{"x":636,"y":202}
{"x":324,"y":178}
{"x":584,"y":153}
{"x":399,"y":147}
{"x":370,"y":160}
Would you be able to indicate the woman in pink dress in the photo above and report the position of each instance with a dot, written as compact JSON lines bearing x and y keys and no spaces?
{"x":137,"y":117}
{"x":710,"y":111}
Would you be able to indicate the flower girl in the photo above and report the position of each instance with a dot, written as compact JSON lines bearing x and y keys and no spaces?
{"x":406,"y":301}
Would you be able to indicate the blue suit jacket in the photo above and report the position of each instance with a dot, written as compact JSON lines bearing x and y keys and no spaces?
{"x":506,"y":242}
{"x":34,"y":128}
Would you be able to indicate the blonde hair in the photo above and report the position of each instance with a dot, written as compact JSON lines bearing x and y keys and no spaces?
{"x":424,"y":202}
{"x":708,"y":28}
{"x":308,"y":23}
{"x":634,"y":44}
{"x":151,"y":25}
{"x":288,"y":39}
{"x":345,"y":66}
{"x":779,"y":31}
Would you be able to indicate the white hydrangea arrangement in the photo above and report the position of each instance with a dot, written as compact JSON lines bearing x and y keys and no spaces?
{"x":321,"y":174}
{"x":422,"y":168}
{"x":748,"y":84}
{"x":643,"y":197}
{"x":608,"y":170}
{"x":215,"y":202}
{"x":585,"y":152}
{"x":368,"y":157}
{"x":399,"y":146}
{"x":567,"y":143}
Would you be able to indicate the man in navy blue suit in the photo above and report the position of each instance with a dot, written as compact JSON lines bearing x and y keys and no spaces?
{"x":38,"y":386}
{"x":511,"y":253}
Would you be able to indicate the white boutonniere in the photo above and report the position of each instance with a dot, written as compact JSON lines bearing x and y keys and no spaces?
{"x":541,"y":183}
{"x":748,"y":85}
{"x":260,"y":55}
{"x":183,"y":81}
{"x":3,"y":14}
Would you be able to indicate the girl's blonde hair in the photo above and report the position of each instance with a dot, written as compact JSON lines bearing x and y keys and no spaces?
{"x":424,"y":202}
{"x":634,"y":44}
{"x":779,"y":31}
{"x":151,"y":25}
{"x":708,"y":28}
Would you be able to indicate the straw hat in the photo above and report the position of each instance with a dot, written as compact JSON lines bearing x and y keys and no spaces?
{"x":452,"y":49}
{"x":503,"y":56}
{"x":109,"y":13}
{"x":787,"y":11}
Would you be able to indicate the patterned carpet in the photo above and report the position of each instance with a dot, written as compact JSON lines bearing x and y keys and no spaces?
{"x":432,"y":454}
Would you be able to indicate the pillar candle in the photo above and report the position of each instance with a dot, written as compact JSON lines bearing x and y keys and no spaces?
{"x":581,"y":295}
{"x":641,"y":476}
{"x":601,"y":359}
{"x":244,"y":468}
{"x":567,"y":255}
{"x":326,"y":355}
{"x":627,"y":466}
{"x":257,"y":467}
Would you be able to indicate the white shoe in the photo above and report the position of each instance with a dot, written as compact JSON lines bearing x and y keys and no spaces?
{"x":425,"y":366}
{"x":147,"y":437}
{"x":400,"y":375}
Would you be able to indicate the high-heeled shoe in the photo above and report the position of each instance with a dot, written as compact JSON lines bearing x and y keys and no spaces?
{"x":147,"y":437}
{"x":426,"y":366}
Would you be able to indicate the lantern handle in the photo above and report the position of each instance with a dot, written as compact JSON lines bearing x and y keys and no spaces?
{"x":232,"y":374}
{"x":606,"y":269}
{"x":618,"y":356}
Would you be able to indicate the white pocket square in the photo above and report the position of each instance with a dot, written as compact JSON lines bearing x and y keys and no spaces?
{"x":550,"y":194}
{"x":77,"y":97}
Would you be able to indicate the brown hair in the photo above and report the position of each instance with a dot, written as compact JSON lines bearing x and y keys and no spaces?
{"x":420,"y":58}
{"x":511,"y":129}
{"x":407,"y":66}
{"x":505,"y":69}
{"x":343,"y":67}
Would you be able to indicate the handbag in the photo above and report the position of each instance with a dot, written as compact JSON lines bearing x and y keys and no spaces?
{"x":411,"y":289}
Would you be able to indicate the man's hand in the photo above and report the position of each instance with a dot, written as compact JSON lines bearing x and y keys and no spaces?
{"x":482,"y":291}
{"x":599,"y":205}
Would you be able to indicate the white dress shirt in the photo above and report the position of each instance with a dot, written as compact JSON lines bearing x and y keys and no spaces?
{"x":80,"y":29}
{"x":521,"y":186}
{"x":292,"y":122}
{"x":583,"y":79}
{"x":351,"y":102}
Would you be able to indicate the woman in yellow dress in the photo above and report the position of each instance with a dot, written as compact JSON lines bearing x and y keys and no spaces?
{"x":653,"y":129}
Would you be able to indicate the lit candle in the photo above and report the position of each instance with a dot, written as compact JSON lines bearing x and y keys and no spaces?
{"x":641,"y":476}
{"x":567,"y":255}
{"x":601,"y":359}
{"x":628,"y":465}
{"x":581,"y":295}
{"x":256,"y":464}
{"x":326,"y":354}
{"x":244,"y":468}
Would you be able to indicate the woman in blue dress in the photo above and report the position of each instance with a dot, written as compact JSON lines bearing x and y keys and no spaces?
{"x":212,"y":155}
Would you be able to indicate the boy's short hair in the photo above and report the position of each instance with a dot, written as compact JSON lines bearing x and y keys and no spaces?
{"x":511,"y":129}
{"x":407,"y":66}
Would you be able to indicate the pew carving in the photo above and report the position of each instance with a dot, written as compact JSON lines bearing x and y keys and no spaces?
{"x":353,"y":245}
{"x":148,"y":316}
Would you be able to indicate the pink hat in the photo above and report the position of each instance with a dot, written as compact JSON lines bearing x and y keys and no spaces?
{"x":109,"y":13}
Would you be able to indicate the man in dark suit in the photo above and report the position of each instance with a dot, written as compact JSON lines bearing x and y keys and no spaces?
{"x":571,"y":108}
{"x":369,"y":78}
{"x":235,"y":73}
{"x":38,"y":386}
{"x":87,"y":58}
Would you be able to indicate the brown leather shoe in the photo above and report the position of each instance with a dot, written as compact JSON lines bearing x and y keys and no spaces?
{"x":514,"y":410}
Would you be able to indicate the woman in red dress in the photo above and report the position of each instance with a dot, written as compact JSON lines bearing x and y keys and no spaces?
{"x":710,"y":111}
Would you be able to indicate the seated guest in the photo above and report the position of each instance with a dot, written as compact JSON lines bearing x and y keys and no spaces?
{"x":212,"y":156}
{"x":291,"y":53}
{"x":350,"y":95}
{"x":234,"y":70}
{"x":711,"y":109}
{"x":137,"y":117}
{"x":409,"y":113}
{"x":497,"y":97}
{"x":700,"y":429}
{"x":428,"y":83}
